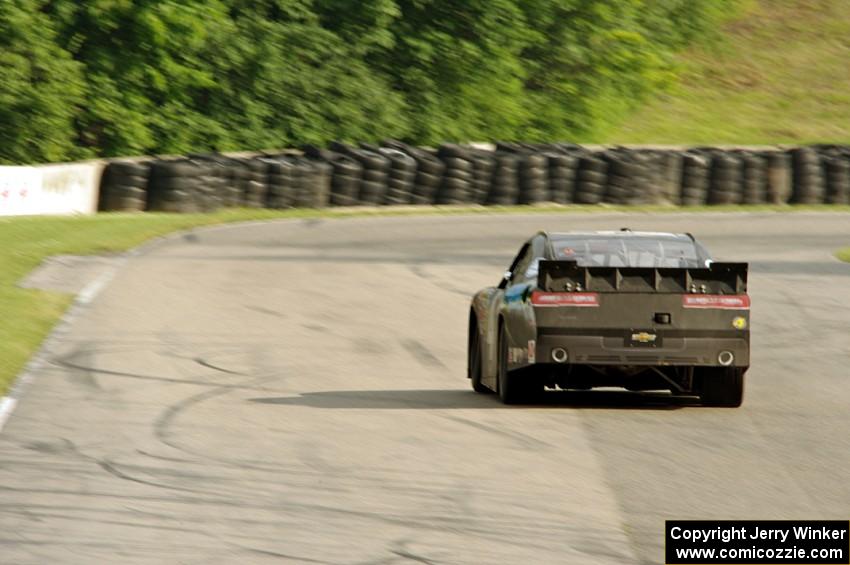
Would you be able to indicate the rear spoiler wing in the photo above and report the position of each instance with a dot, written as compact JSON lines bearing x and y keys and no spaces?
{"x":718,"y":278}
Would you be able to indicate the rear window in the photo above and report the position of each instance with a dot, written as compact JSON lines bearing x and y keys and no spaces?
{"x":602,"y":251}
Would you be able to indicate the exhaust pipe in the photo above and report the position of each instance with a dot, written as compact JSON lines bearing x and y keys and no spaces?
{"x":560,"y":355}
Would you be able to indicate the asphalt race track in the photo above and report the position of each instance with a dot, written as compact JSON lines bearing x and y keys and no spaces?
{"x":296,"y":392}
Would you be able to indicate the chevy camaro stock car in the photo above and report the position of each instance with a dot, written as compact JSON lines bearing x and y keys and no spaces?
{"x":638,"y":310}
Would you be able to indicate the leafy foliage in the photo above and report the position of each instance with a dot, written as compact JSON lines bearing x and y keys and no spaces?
{"x":116,"y":77}
{"x":40,"y":87}
{"x":458,"y":65}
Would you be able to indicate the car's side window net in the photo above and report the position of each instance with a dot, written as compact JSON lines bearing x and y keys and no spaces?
{"x":533,"y":268}
{"x":516,"y":268}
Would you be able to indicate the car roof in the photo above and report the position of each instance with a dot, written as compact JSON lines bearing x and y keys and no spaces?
{"x":624,"y":233}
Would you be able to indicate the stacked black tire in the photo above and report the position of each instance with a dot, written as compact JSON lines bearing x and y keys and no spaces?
{"x":504,"y":184}
{"x":205,"y":183}
{"x":837,"y":170}
{"x":808,"y":176}
{"x":628,"y":180}
{"x":293,"y":181}
{"x":252,"y":176}
{"x":659,"y":168}
{"x":725,"y":178}
{"x":176,"y":186}
{"x":836,"y":167}
{"x":696,"y":170}
{"x":533,"y":178}
{"x":779,"y":177}
{"x":532,"y":171}
{"x":396,"y":174}
{"x":668,"y":176}
{"x":215,"y":180}
{"x":346,"y":175}
{"x":483,"y":168}
{"x":754,"y":181}
{"x":374,"y":176}
{"x":591,"y":179}
{"x":218,"y":179}
{"x":401,"y":178}
{"x":562,"y":176}
{"x":312,"y":183}
{"x":458,"y":179}
{"x":429,"y":171}
{"x":124,"y":186}
{"x":281,"y":177}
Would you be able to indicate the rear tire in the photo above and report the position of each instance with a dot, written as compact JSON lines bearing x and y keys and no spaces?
{"x":473,"y":367}
{"x":513,"y":388}
{"x":722,"y":387}
{"x":503,"y":382}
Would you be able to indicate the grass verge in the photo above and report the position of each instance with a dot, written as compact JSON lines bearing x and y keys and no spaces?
{"x":777,"y":74}
{"x":26,"y":315}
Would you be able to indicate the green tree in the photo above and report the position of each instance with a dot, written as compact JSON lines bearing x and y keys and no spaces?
{"x":457,"y":64}
{"x":118,"y":77}
{"x":589,"y":60}
{"x":40,"y":87}
{"x":366,"y":25}
{"x":173,"y":77}
{"x":285,"y":80}
{"x":148,"y":68}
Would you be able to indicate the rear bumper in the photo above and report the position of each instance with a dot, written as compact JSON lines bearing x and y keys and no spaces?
{"x":680,"y":349}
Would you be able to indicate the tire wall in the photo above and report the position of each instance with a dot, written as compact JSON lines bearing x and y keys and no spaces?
{"x":392,"y":173}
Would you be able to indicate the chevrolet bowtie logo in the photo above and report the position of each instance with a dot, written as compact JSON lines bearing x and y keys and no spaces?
{"x":644,"y":337}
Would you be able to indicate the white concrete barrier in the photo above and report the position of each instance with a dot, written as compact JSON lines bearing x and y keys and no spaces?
{"x":70,"y":188}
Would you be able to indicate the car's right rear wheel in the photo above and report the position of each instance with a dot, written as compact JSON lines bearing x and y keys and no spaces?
{"x":722,"y":386}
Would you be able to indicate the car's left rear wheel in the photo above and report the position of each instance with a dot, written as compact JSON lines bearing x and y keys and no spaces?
{"x":513,"y":388}
{"x":474,"y":362}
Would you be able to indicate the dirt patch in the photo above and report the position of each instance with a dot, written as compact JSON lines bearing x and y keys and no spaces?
{"x":69,"y":273}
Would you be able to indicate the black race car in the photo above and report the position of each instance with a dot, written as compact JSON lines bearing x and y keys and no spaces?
{"x":639,"y":310}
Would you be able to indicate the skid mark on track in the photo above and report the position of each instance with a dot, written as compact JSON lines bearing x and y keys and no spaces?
{"x":422,"y":354}
{"x":162,"y":424}
{"x":204,"y":363}
{"x":61,"y":446}
{"x":74,"y":517}
{"x":68,"y":448}
{"x":369,"y":346}
{"x":163,"y":458}
{"x":115,"y":472}
{"x":266,"y":311}
{"x":84,"y":376}
{"x":422,"y":273}
{"x":523,"y":440}
{"x":408,"y":556}
{"x":279,"y":555}
{"x":59,"y":362}
{"x":527,"y":535}
{"x":313,"y":222}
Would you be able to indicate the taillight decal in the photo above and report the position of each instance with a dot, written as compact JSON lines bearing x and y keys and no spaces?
{"x":585,"y":299}
{"x":717,"y":301}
